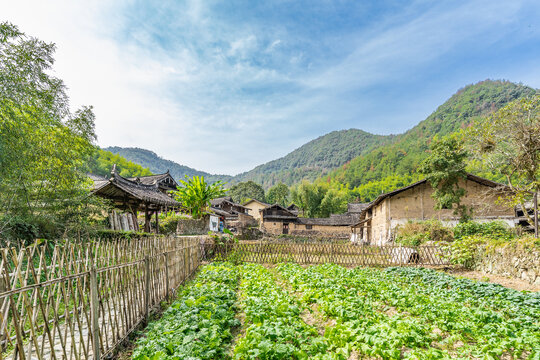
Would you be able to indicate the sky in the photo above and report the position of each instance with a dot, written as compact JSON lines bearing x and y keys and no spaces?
{"x":223,"y":86}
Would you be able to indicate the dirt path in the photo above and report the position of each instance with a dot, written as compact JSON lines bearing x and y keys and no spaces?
{"x":511,"y":283}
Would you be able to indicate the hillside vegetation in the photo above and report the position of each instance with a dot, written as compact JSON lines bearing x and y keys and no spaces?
{"x":317,"y":157}
{"x":157,"y":164}
{"x":103,"y":161}
{"x":404,"y":154}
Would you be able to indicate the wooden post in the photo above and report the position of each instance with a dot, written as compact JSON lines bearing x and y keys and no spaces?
{"x":167,"y":288}
{"x":146,"y":219}
{"x":535,"y":203}
{"x":3,"y":336}
{"x":146,"y":288}
{"x":94,"y":312}
{"x":157,"y":222}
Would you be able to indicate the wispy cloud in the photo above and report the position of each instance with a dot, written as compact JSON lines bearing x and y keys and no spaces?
{"x":225,"y":86}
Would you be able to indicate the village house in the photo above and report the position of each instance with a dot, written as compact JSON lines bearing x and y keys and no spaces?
{"x":380,"y":218}
{"x":255,"y":207}
{"x":277,"y":220}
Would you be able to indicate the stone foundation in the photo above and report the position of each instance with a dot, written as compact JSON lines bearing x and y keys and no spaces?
{"x":192,"y":226}
{"x":512,"y":262}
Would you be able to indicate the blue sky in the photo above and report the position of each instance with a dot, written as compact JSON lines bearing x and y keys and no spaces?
{"x":225,"y":86}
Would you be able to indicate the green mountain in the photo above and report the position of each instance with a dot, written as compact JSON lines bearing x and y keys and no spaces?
{"x":403,"y":155}
{"x":102,"y":162}
{"x":315,"y":158}
{"x":156,"y":164}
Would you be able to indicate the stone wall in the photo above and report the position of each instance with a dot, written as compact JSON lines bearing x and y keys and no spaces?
{"x":192,"y":226}
{"x":511,"y":261}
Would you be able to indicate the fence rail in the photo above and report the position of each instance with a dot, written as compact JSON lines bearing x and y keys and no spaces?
{"x":81,"y":300}
{"x":318,"y":253}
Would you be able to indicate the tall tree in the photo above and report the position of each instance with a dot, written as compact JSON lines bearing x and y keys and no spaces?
{"x":444,"y":168}
{"x":278,"y":194}
{"x":244,"y":191}
{"x":196,"y":194}
{"x":44,"y":147}
{"x":509,"y":142}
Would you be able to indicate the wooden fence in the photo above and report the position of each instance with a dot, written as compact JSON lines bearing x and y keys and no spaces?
{"x":81,"y":300}
{"x":319,"y":253}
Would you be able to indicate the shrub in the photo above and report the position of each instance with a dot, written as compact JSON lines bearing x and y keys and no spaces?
{"x":496,"y":230}
{"x":415,"y":233}
{"x":168,"y":222}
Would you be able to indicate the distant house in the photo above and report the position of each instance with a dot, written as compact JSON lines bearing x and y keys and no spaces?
{"x":255,"y":207}
{"x":277,"y":220}
{"x":225,"y":206}
{"x":294,"y":209}
{"x":378,"y":220}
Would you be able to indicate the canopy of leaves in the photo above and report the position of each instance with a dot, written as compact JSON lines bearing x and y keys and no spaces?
{"x":45,"y":148}
{"x":244,"y":191}
{"x":320,"y":199}
{"x":278,"y":194}
{"x":196,"y":193}
{"x":444,"y":168}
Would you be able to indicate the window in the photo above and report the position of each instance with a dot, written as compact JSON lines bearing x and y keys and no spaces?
{"x":309,"y":227}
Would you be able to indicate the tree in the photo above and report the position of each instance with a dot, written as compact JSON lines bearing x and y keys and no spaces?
{"x":509,"y":142}
{"x":444,"y":168}
{"x":196,"y":194}
{"x":44,"y":147}
{"x":278,"y":194}
{"x":244,"y":191}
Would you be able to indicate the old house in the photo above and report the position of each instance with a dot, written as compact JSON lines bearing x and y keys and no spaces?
{"x":235,"y":216}
{"x":277,"y":220}
{"x":380,"y":218}
{"x":255,"y":207}
{"x":148,"y":194}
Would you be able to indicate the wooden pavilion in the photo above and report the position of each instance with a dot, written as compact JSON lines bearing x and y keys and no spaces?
{"x":148,"y":194}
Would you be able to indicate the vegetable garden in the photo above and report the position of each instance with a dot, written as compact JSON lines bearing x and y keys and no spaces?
{"x":289,"y":311}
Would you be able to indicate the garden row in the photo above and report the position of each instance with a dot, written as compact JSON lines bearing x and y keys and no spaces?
{"x":368,"y":313}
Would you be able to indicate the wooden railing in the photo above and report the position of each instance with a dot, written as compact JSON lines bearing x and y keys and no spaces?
{"x":81,"y":300}
{"x":318,"y":253}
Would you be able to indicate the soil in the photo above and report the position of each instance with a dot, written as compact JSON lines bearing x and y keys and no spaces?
{"x":511,"y":283}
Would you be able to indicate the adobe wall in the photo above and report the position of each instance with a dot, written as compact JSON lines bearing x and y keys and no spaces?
{"x":417,"y":204}
{"x":192,"y":226}
{"x":270,"y":227}
{"x":255,"y":208}
{"x":276,"y":228}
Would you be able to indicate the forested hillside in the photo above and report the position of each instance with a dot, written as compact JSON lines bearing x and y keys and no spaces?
{"x":317,"y":157}
{"x":404,"y":154}
{"x":103,"y":161}
{"x":156,"y":164}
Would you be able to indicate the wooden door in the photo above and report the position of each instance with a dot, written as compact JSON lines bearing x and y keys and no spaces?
{"x":285,"y":228}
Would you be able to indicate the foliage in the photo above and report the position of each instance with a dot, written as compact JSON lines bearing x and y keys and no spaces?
{"x":168,"y":222}
{"x":45,"y":147}
{"x":198,"y":325}
{"x":275,"y":329}
{"x":102,"y":162}
{"x":509,"y":142}
{"x":415,"y":233}
{"x":496,"y":230}
{"x":444,"y":168}
{"x":245,"y":191}
{"x":196,"y":193}
{"x":418,"y":313}
{"x":278,"y":194}
{"x":156,"y":164}
{"x":320,"y":199}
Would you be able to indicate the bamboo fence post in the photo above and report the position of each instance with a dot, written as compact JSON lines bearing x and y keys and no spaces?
{"x":3,"y":334}
{"x":167,"y":287}
{"x":94,"y":312}
{"x":146,"y":287}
